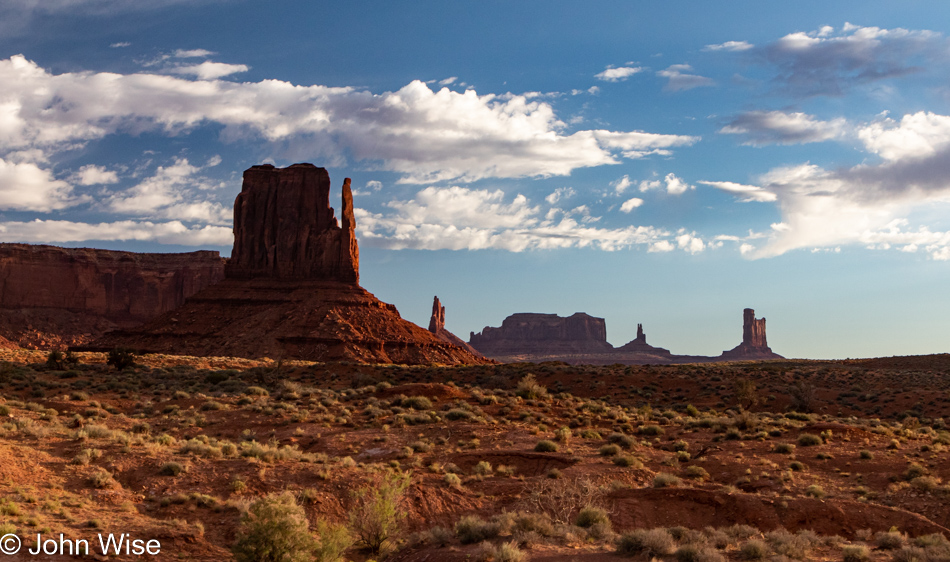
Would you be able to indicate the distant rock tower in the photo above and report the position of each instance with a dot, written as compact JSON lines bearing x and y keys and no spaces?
{"x":754,"y":344}
{"x":437,"y":327}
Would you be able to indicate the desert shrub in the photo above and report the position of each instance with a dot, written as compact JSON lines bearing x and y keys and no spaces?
{"x":783,"y":448}
{"x":627,"y":461}
{"x":459,"y":414}
{"x":696,"y":472}
{"x":609,"y":450}
{"x":815,"y":491}
{"x":563,"y":435}
{"x":913,"y":554}
{"x":803,"y":397}
{"x":809,"y":440}
{"x":561,"y":498}
{"x":622,"y":440}
{"x":933,"y":540}
{"x":652,"y":542}
{"x":797,"y":466}
{"x":212,"y":405}
{"x":529,"y":388}
{"x":378,"y":515}
{"x":452,"y":480}
{"x":697,"y":553}
{"x":865,"y":454}
{"x":925,"y":483}
{"x":440,"y":536}
{"x":546,"y":446}
{"x":590,"y":516}
{"x":786,"y":544}
{"x":171,"y":468}
{"x":855,"y":553}
{"x":650,"y":430}
{"x":416,"y":403}
{"x":889,"y":540}
{"x":665,"y":480}
{"x":483,"y":468}
{"x":753,"y":550}
{"x":914,"y":470}
{"x":504,"y":552}
{"x":102,"y":479}
{"x":472,"y":528}
{"x":332,"y":541}
{"x":274,"y":529}
{"x":121,"y":358}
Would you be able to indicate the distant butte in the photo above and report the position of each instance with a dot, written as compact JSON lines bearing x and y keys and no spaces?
{"x":754,"y":345}
{"x":437,"y":327}
{"x":291,"y":288}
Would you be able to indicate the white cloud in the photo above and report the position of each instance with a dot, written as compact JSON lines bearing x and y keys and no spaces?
{"x":631,"y":204}
{"x":918,"y":135}
{"x":120,"y":45}
{"x":730,"y":46}
{"x":95,"y":175}
{"x":647,"y":185}
{"x":679,"y":78}
{"x":561,"y":192}
{"x":662,"y":246}
{"x":192,"y":53}
{"x":173,"y":232}
{"x":823,"y":62}
{"x":621,"y":185}
{"x":778,"y":127}
{"x":689,"y":242}
{"x":209,"y":70}
{"x":448,"y":81}
{"x":459,"y":218}
{"x":675,"y":185}
{"x":24,"y":186}
{"x":423,"y":135}
{"x":618,"y":74}
{"x":746,"y":193}
{"x":173,"y":192}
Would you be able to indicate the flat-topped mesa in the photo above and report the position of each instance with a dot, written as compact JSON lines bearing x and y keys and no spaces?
{"x":543,"y":334}
{"x":284,"y":227}
{"x":754,"y":344}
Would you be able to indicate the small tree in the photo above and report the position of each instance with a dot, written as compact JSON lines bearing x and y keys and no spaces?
{"x":274,"y":529}
{"x":803,"y":396}
{"x":121,"y":358}
{"x":747,"y":395}
{"x":377,"y":516}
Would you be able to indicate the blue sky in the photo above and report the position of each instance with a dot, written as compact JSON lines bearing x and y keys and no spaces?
{"x":660,"y":163}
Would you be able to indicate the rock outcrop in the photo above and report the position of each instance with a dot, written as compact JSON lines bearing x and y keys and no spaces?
{"x":291,"y":289}
{"x":640,"y":346}
{"x":437,"y":327}
{"x":284,"y":227}
{"x":52,"y":297}
{"x":526,"y":334}
{"x":754,"y":344}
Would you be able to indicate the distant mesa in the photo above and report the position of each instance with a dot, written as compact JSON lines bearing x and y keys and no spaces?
{"x":291,"y":289}
{"x":754,"y":345}
{"x":52,"y":297}
{"x":437,"y":327}
{"x":582,"y":339}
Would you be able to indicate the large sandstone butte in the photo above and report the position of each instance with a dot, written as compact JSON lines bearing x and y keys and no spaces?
{"x":529,"y":334}
{"x":291,"y":289}
{"x":52,"y":297}
{"x":754,"y":345}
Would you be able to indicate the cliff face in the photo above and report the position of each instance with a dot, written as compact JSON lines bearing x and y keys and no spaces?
{"x":437,"y":327}
{"x":291,"y":288}
{"x":53,"y":296}
{"x":754,"y":344}
{"x":284,"y":227}
{"x":529,"y":333}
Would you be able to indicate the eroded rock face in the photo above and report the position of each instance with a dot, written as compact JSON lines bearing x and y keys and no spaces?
{"x":754,"y":344}
{"x":51,"y":296}
{"x":437,"y":327}
{"x":530,"y":333}
{"x":284,"y":227}
{"x":292,"y":288}
{"x":640,"y":346}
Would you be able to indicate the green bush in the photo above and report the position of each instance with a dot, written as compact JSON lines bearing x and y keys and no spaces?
{"x":664,"y":480}
{"x":274,"y":529}
{"x":546,"y":446}
{"x":332,"y":541}
{"x":529,"y":388}
{"x":590,"y":516}
{"x":378,"y":515}
{"x":171,"y":469}
{"x":651,"y":430}
{"x":855,"y":553}
{"x":809,"y":440}
{"x":653,"y":542}
{"x":609,"y":450}
{"x":121,"y":358}
{"x":417,"y":403}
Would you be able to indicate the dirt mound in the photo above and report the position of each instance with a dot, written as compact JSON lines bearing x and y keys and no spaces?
{"x":429,"y":390}
{"x":696,"y":509}
{"x":525,"y":463}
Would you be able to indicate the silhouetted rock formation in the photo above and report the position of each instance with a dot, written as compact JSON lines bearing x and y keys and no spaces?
{"x":437,"y":327}
{"x":53,"y":297}
{"x":754,"y":345}
{"x":640,"y":345}
{"x":284,"y":227}
{"x":541,"y":334}
{"x":292,"y":288}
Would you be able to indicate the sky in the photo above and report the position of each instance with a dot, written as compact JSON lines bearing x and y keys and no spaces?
{"x":663,"y":163}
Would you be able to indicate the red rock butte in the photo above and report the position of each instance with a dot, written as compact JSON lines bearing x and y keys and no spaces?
{"x":291,"y":288}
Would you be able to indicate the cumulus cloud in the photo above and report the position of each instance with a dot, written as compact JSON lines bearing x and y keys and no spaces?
{"x":460,"y":218}
{"x":868,"y":203}
{"x":631,"y":204}
{"x":209,"y":70}
{"x":172,"y":192}
{"x":95,"y":175}
{"x":830,"y":62}
{"x":24,"y":186}
{"x":679,"y":78}
{"x":424,"y":135}
{"x":58,"y":231}
{"x":559,"y":193}
{"x":675,"y":185}
{"x":730,"y":46}
{"x":618,"y":74}
{"x":746,"y":193}
{"x":621,"y":185}
{"x":778,"y":127}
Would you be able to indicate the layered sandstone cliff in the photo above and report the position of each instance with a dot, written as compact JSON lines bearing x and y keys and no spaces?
{"x":531,"y":334}
{"x":51,"y":296}
{"x":291,"y":288}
